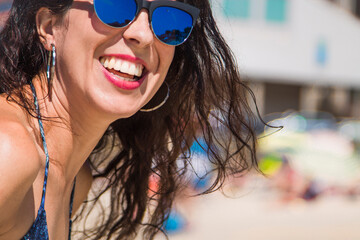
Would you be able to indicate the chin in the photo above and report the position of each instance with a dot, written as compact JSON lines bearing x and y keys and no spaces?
{"x":121,"y":110}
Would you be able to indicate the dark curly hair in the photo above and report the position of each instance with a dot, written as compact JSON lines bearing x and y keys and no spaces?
{"x":205,"y":88}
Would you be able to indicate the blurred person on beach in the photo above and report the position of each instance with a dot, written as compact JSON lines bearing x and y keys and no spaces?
{"x":93,"y":91}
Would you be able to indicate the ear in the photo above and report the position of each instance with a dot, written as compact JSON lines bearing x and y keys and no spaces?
{"x":45,"y":22}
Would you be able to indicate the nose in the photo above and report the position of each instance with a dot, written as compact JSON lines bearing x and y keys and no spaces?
{"x":139,"y":33}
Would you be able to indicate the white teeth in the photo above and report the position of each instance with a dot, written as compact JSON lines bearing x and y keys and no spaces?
{"x":117,"y":66}
{"x":132,"y":68}
{"x":106,"y":63}
{"x":122,"y":65}
{"x":111,"y":63}
{"x":138,"y":70}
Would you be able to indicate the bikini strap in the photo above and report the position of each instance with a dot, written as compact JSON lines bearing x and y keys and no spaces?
{"x":41,"y":127}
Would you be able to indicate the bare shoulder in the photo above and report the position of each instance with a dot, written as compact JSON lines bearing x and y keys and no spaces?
{"x":18,"y":149}
{"x":18,"y":144}
{"x":19,"y":162}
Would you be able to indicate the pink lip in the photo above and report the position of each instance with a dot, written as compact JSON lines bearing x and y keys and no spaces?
{"x":126,"y":85}
{"x":117,"y":81}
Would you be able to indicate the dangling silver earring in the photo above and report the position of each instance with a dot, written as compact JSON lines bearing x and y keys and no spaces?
{"x":160,"y":105}
{"x":51,"y":68}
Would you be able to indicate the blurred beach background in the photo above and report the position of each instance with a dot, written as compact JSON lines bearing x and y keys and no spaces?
{"x":302,"y":60}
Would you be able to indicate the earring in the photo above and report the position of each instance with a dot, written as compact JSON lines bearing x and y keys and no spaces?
{"x":160,"y":105}
{"x":50,"y":68}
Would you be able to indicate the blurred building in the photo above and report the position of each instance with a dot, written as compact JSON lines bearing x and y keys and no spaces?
{"x":297,"y":54}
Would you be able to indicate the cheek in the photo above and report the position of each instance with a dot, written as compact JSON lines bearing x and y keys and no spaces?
{"x":84,"y":24}
{"x":81,"y":35}
{"x":166,"y":54}
{"x":99,"y":26}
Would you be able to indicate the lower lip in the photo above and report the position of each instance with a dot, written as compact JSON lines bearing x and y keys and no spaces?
{"x":117,"y":81}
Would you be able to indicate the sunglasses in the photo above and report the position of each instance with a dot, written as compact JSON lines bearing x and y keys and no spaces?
{"x":171,"y":21}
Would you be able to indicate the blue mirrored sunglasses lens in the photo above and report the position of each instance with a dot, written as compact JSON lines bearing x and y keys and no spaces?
{"x":171,"y":25}
{"x":116,"y":13}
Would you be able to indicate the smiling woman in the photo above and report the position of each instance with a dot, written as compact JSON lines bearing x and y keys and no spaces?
{"x":112,"y":91}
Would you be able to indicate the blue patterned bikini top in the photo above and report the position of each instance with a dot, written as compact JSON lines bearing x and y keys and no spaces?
{"x":39,"y":230}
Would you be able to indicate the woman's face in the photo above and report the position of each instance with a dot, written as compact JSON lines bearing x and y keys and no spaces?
{"x":112,"y":71}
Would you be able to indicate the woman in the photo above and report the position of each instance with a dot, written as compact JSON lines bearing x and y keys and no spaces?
{"x":112,"y":91}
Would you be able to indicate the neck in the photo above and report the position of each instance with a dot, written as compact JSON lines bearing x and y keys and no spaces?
{"x":71,"y":133}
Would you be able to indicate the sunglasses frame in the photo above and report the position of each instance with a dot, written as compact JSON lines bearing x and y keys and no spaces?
{"x":150,"y":6}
